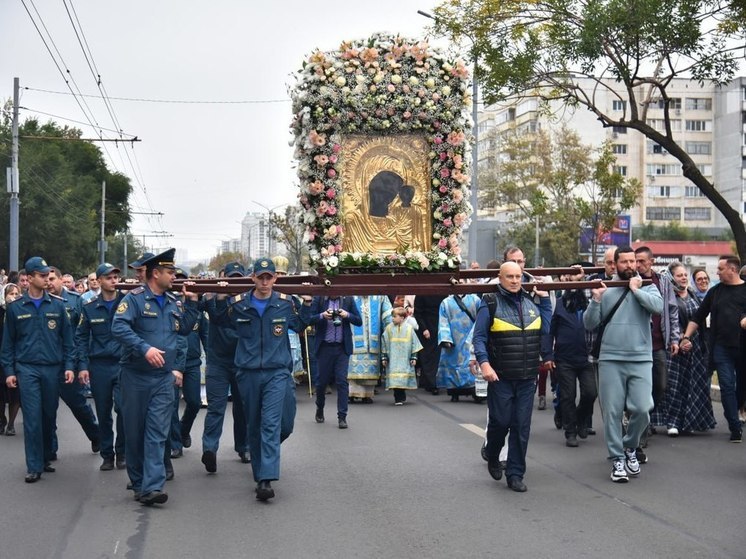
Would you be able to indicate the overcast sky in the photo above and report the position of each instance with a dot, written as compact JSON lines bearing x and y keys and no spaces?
{"x":202,"y":165}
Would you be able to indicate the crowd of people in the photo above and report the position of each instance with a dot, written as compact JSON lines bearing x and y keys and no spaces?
{"x":647,"y":350}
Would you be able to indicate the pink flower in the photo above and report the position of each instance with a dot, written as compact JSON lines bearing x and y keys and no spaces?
{"x":406,"y":115}
{"x":456,"y":138}
{"x":321,"y":160}
{"x":459,"y":218}
{"x":391,"y":88}
{"x":436,"y":97}
{"x":316,"y":138}
{"x":331,"y":194}
{"x":333,"y":159}
{"x":338,"y":248}
{"x":316,"y":188}
{"x":458,"y":161}
{"x":330,"y":250}
{"x":442,"y":243}
{"x":447,"y":222}
{"x":437,"y":125}
{"x":437,"y":140}
{"x":331,"y":173}
{"x":311,"y":234}
{"x":331,"y":210}
{"x":443,"y":156}
{"x":336,"y":148}
{"x":322,"y":208}
{"x":457,"y":195}
{"x":444,"y":173}
{"x":443,"y":189}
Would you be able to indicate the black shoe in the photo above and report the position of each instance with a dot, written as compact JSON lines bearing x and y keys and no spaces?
{"x":435,"y":392}
{"x":186,"y":439}
{"x":95,"y":446}
{"x":10,"y":431}
{"x":571,"y":441}
{"x":557,"y":419}
{"x":153,"y":498}
{"x":130,"y":487}
{"x":367,"y":400}
{"x":342,"y":423}
{"x":591,"y":431}
{"x":454,"y":398}
{"x":177,"y":453}
{"x":169,"y":474}
{"x":49,"y":468}
{"x":33,"y":478}
{"x":244,"y":456}
{"x":483,"y":452}
{"x":319,"y":415}
{"x":264,"y":491}
{"x":496,"y":470}
{"x":137,"y":496}
{"x":209,"y":459}
{"x":583,"y":432}
{"x":516,"y":484}
{"x":735,"y":437}
{"x":121,"y":462}
{"x":107,"y":465}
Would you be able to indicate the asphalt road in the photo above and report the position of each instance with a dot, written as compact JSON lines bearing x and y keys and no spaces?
{"x":400,"y":482}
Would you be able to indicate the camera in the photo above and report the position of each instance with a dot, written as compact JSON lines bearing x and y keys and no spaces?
{"x":336,"y":317}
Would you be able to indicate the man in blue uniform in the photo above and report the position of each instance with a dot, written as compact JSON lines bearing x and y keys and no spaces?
{"x":98,"y":360}
{"x":37,"y":348}
{"x":146,"y":324}
{"x":219,"y":380}
{"x":72,"y":393}
{"x":262,"y":318}
{"x":192,"y":345}
{"x":138,"y":266}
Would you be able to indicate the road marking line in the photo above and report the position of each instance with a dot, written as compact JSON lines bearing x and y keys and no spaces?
{"x":478,"y":431}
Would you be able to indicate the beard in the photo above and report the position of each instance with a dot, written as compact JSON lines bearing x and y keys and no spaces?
{"x":627,"y":274}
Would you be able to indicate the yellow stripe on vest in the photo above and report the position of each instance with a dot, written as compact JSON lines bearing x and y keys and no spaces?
{"x":503,"y":326}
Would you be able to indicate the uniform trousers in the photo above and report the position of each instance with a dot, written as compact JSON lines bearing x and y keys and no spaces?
{"x":39,"y":387}
{"x":72,"y":394}
{"x":333,"y":364}
{"x":287,"y":423}
{"x":105,"y":388}
{"x":192,"y":398}
{"x":625,"y":385}
{"x":263,"y":393}
{"x":510,"y":404}
{"x":147,"y":406}
{"x":220,"y":378}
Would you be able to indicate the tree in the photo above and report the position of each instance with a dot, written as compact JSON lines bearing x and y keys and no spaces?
{"x":553,"y":178}
{"x":219,"y":261}
{"x":607,"y":195}
{"x":567,"y":50}
{"x":60,"y":195}
{"x":288,"y":230}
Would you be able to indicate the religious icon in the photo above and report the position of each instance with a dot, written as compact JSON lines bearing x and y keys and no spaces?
{"x":386,"y":194}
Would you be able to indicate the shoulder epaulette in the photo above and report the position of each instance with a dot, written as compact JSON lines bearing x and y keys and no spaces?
{"x":138,"y":290}
{"x":236,"y":299}
{"x":171,"y":295}
{"x":89,"y":301}
{"x":282,"y":296}
{"x":19,"y":299}
{"x":53,"y":296}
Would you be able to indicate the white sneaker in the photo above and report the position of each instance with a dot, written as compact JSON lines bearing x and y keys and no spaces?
{"x":630,"y":461}
{"x":618,"y":473}
{"x":673,"y":432}
{"x":398,"y":403}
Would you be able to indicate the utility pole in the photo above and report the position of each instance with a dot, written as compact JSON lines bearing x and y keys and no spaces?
{"x":13,"y":185}
{"x":125,"y":266}
{"x":102,"y":242}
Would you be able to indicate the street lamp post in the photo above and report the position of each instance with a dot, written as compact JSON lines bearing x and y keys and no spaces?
{"x":474,"y":200}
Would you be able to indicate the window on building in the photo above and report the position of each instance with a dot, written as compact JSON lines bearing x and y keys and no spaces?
{"x":620,"y":170}
{"x":655,"y":148}
{"x":697,"y":214}
{"x":698,"y":104}
{"x":691,"y":191}
{"x":619,"y":129}
{"x":706,"y":170}
{"x":699,"y":148}
{"x":619,"y":149}
{"x":616,"y":193}
{"x":663,"y":169}
{"x":526,"y":106}
{"x":663,"y":214}
{"x":699,"y":126}
{"x":673,"y":103}
{"x":660,"y":124}
{"x":618,"y":105}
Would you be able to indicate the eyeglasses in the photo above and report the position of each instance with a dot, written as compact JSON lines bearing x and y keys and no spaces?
{"x":698,"y":280}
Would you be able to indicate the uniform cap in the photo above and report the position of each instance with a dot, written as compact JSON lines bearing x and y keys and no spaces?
{"x":140,"y":262}
{"x":106,"y":269}
{"x":234,"y":269}
{"x":264,"y":266}
{"x":36,"y":264}
{"x":163,"y":260}
{"x":181,"y":274}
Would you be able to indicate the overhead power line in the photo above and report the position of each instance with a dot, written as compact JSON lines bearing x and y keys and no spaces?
{"x":173,"y":101}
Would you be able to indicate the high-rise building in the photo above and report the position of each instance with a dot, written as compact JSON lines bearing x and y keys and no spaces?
{"x":709,"y":123}
{"x":255,"y":239}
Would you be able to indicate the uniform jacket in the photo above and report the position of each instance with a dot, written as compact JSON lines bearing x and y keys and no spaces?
{"x":34,"y":336}
{"x":93,"y":337}
{"x":568,"y":334}
{"x":627,"y":337}
{"x":221,"y":340}
{"x":140,"y":323}
{"x":512,"y":341}
{"x":262,"y":340}
{"x":319,"y":305}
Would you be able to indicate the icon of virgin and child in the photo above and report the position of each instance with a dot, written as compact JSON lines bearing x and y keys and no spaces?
{"x":386,"y":207}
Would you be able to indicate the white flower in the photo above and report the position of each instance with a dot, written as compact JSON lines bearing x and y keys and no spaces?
{"x":442,"y":257}
{"x":340,"y":81}
{"x":333,"y":261}
{"x":396,"y":79}
{"x":445,"y":90}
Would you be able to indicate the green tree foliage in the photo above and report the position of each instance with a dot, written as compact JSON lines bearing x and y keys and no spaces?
{"x":554,"y":178}
{"x":60,"y":194}
{"x":288,"y":229}
{"x":566,"y":50}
